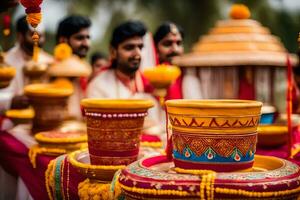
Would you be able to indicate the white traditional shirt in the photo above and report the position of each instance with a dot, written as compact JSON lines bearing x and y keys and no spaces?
{"x":16,"y":58}
{"x":107,"y":85}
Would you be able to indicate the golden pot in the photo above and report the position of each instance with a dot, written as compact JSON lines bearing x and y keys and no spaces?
{"x":272,"y":135}
{"x":162,"y":76}
{"x":218,"y":135}
{"x":50,"y":105}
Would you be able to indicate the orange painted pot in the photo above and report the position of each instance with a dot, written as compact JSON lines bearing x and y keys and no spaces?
{"x":114,"y":129}
{"x":217,"y":135}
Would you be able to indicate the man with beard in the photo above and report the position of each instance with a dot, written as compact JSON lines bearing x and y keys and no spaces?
{"x":168,"y":40}
{"x":74,"y":30}
{"x":123,"y":78}
{"x":18,"y":56}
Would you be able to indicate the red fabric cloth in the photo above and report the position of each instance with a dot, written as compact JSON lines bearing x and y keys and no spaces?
{"x":175,"y":90}
{"x":246,"y":90}
{"x":14,"y":159}
{"x":71,"y":178}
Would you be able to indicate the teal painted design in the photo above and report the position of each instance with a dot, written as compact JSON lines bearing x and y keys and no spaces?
{"x":211,"y":156}
{"x":57,"y":177}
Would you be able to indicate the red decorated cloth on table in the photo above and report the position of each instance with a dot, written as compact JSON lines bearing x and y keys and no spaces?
{"x":14,"y":160}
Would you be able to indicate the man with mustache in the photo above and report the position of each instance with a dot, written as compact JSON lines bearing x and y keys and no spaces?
{"x":122,"y":79}
{"x":168,"y":40}
{"x":17,"y":57}
{"x":74,"y":30}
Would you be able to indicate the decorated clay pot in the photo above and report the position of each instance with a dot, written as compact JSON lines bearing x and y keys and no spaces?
{"x":7,"y":73}
{"x":217,"y":135}
{"x":50,"y":105}
{"x":267,"y":114}
{"x":114,"y":128}
{"x":154,"y":177}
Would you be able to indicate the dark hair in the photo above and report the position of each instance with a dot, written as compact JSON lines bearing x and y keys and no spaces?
{"x":71,"y":25}
{"x":22,"y":25}
{"x":164,"y":29}
{"x":96,"y":56}
{"x":127,"y":30}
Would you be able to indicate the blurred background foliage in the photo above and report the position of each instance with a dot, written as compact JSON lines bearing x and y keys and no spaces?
{"x":196,"y":17}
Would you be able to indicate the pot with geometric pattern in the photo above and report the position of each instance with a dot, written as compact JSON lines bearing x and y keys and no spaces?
{"x":218,"y":135}
{"x":114,"y":128}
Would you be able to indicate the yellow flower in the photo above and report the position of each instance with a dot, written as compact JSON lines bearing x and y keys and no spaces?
{"x":239,"y":11}
{"x":62,"y":51}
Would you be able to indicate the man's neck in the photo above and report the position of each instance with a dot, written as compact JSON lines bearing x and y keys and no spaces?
{"x":125,"y":75}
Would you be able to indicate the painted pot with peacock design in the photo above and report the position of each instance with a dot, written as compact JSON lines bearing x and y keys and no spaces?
{"x":217,"y":135}
{"x":114,"y":129}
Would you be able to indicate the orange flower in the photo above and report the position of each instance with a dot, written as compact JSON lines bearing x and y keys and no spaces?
{"x":62,"y":51}
{"x":34,"y":19}
{"x":239,"y":11}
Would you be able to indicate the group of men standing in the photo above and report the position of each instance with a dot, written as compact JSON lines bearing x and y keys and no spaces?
{"x":122,"y":77}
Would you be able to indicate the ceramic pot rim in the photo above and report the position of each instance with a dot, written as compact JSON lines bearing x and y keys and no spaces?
{"x":120,"y":104}
{"x":47,"y":90}
{"x":213,"y":103}
{"x":276,"y":129}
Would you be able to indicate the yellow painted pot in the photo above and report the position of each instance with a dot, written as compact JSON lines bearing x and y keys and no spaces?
{"x":272,"y":135}
{"x":217,"y":135}
{"x":114,"y":128}
{"x":50,"y":105}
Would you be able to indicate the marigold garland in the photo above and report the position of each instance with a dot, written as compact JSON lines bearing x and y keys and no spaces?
{"x":34,"y":19}
{"x":6,"y":24}
{"x":89,"y":190}
{"x":49,"y":178}
{"x":207,"y":184}
{"x":35,"y":150}
{"x":77,"y":164}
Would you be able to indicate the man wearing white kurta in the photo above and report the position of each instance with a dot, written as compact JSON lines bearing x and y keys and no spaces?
{"x":75,"y":31}
{"x":17,"y":58}
{"x":122,"y":80}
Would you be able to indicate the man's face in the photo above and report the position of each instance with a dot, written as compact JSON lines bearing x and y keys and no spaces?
{"x":98,"y":64}
{"x":80,"y":42}
{"x":26,"y":41}
{"x":170,"y":46}
{"x":128,"y":55}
